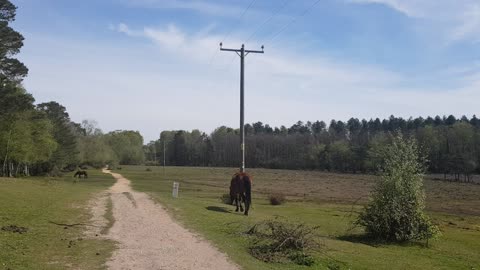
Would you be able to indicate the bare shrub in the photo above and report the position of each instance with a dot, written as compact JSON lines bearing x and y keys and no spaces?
{"x":226,"y":199}
{"x":151,"y":163}
{"x":55,"y":172}
{"x":14,"y":229}
{"x":277,"y":199}
{"x":283,"y":241}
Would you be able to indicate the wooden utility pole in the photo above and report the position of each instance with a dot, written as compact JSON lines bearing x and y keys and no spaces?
{"x":155,"y":153}
{"x":242,"y":53}
{"x":163,"y":158}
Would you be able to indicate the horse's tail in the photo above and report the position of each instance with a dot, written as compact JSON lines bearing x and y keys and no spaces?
{"x":232,"y":192}
{"x":248,"y":190}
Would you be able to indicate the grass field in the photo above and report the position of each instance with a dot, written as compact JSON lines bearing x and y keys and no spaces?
{"x":322,"y":199}
{"x":34,"y":203}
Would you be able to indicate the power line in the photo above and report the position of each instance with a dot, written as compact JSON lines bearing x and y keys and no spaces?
{"x":240,"y":18}
{"x":231,"y":29}
{"x":228,"y":66}
{"x":292,"y":21}
{"x":268,"y":20}
{"x":276,"y":34}
{"x":259,"y":27}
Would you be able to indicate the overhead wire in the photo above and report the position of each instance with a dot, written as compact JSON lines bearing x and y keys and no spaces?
{"x":267,"y":20}
{"x":281,"y":7}
{"x":231,"y":30}
{"x":274,"y":35}
{"x":240,"y":18}
{"x":294,"y":20}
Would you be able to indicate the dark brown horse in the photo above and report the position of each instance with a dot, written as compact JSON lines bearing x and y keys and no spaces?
{"x":241,"y":191}
{"x":81,"y":173}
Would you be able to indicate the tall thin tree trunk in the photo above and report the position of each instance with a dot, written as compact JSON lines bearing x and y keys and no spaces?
{"x":6,"y":153}
{"x":16,"y":170}
{"x":10,"y":170}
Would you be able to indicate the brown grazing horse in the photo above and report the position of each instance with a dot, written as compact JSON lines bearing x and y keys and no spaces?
{"x":241,"y":190}
{"x":81,"y":173}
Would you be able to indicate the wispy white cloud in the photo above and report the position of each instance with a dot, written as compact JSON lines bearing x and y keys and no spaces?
{"x":166,"y":82}
{"x":469,"y":26}
{"x":409,"y":8}
{"x":321,"y":70}
{"x":173,"y":40}
{"x":216,"y":8}
{"x":457,"y":20}
{"x":170,"y":37}
{"x":280,"y":72}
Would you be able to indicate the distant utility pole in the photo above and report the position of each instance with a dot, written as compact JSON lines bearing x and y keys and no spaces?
{"x":155,"y":154}
{"x":242,"y":53}
{"x":164,"y":158}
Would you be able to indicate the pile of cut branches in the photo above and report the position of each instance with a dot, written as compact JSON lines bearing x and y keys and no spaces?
{"x":283,"y":241}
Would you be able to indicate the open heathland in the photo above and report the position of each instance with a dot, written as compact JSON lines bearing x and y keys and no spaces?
{"x":329,"y":201}
{"x":44,"y":223}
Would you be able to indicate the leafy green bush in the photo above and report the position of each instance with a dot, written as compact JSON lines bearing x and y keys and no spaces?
{"x":396,"y":211}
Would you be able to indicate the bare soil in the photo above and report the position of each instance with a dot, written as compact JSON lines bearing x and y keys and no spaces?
{"x":148,"y":238}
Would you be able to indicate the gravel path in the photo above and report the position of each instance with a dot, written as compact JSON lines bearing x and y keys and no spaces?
{"x":149,"y":239}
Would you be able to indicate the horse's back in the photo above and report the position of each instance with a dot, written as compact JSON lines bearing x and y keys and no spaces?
{"x":236,"y":184}
{"x":81,"y":173}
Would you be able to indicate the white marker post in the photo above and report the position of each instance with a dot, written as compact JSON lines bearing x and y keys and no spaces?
{"x":175,"y":189}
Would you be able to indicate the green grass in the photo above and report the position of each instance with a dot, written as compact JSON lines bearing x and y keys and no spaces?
{"x":36,"y":202}
{"x":321,"y":199}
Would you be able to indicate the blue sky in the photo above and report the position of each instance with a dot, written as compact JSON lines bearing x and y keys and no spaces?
{"x":152,"y":65}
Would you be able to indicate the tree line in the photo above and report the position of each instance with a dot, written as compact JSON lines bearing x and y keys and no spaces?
{"x":452,"y":145}
{"x":40,"y":138}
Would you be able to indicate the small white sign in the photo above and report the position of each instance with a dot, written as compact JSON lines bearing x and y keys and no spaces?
{"x":175,"y":189}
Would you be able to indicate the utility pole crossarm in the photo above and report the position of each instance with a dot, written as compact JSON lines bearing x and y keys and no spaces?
{"x":242,"y":53}
{"x":230,"y":50}
{"x":239,"y":50}
{"x":253,"y":51}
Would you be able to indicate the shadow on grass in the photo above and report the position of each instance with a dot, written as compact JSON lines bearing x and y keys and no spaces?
{"x":217,"y":209}
{"x":373,"y":242}
{"x":361,"y":239}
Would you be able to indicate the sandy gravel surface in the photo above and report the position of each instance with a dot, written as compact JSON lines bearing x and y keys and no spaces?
{"x":149,"y":239}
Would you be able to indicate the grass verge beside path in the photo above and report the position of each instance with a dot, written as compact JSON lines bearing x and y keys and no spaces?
{"x":316,"y":199}
{"x":36,"y":202}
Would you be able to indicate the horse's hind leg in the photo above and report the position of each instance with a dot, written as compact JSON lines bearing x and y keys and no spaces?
{"x":247,"y":207}
{"x":236,"y":203}
{"x":242,"y":198}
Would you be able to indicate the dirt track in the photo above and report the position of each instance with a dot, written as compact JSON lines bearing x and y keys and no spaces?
{"x":148,"y":237}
